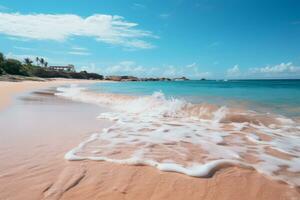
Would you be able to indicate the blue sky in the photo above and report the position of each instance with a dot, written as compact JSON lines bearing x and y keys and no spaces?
{"x":193,"y":38}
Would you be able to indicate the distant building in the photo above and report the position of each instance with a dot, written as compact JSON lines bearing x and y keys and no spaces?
{"x":68,"y":68}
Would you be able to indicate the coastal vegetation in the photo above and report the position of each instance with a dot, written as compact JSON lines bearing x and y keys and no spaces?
{"x":39,"y":68}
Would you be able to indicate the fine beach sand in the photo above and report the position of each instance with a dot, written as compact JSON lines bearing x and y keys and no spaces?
{"x":37,"y":132}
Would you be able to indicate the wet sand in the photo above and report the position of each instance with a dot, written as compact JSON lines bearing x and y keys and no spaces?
{"x":38,"y":129}
{"x":8,"y":89}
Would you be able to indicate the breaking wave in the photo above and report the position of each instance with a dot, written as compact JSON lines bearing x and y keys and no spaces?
{"x":194,"y":139}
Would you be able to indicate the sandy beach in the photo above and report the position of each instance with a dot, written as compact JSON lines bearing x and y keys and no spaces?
{"x":38,"y":129}
{"x":8,"y":89}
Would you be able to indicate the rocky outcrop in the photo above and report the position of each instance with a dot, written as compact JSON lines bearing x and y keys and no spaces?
{"x":122,"y":78}
{"x":155,"y":79}
{"x":180,"y":79}
{"x":133,"y":78}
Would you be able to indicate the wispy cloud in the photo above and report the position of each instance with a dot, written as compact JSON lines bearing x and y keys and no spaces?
{"x":79,"y":53}
{"x":18,"y":39}
{"x":113,"y":30}
{"x":23,"y":48}
{"x":233,"y":72}
{"x":191,"y":66}
{"x":165,"y":15}
{"x":138,"y":6}
{"x":79,"y":49}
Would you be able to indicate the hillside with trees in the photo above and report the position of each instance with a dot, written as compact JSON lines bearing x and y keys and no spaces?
{"x":39,"y":68}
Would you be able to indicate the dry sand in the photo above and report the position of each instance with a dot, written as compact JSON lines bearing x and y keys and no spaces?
{"x":34,"y":139}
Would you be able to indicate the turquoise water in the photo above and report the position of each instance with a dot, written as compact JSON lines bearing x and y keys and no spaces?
{"x":196,"y":138}
{"x":275,"y":96}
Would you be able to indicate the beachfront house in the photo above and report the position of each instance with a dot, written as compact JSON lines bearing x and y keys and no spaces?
{"x":68,"y":68}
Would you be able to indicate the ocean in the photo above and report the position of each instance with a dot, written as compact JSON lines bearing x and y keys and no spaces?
{"x":196,"y":127}
{"x":279,"y":96}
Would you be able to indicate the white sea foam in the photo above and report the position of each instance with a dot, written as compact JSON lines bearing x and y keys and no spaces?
{"x":196,"y":140}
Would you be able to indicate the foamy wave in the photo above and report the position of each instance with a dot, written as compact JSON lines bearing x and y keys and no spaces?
{"x":194,"y":139}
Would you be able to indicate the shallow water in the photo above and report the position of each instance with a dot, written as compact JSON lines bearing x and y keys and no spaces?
{"x":279,"y":96}
{"x":192,"y":136}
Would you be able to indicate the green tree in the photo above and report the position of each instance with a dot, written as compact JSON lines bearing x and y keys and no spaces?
{"x":42,"y":61}
{"x":27,"y":61}
{"x":37,"y":59}
{"x":46,"y":64}
{"x":12,"y":66}
{"x":1,"y":57}
{"x":1,"y":63}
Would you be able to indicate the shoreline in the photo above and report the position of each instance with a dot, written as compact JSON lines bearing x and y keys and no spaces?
{"x":51,"y":177}
{"x":8,"y":88}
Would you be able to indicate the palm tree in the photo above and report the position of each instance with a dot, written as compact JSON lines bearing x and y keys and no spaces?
{"x":46,"y":64}
{"x":28,"y":61}
{"x":42,"y":61}
{"x":37,"y":59}
{"x":1,"y":57}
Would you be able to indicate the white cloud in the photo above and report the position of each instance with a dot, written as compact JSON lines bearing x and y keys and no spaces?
{"x":194,"y":72}
{"x":79,"y":49}
{"x":59,"y":27}
{"x":170,"y":71}
{"x":23,"y":48}
{"x":191,"y":71}
{"x":282,"y":68}
{"x":21,"y":57}
{"x":134,"y":69}
{"x":80,"y":53}
{"x":90,"y":68}
{"x":234,"y":71}
{"x":126,"y":68}
{"x":193,"y":65}
{"x":122,"y":68}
